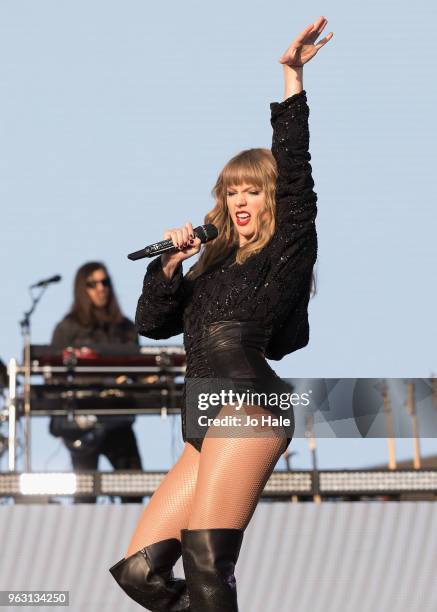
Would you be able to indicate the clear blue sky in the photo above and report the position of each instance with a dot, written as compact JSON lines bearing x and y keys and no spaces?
{"x":118,"y":116}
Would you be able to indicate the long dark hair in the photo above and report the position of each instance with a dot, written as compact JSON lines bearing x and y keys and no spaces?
{"x":82,"y":309}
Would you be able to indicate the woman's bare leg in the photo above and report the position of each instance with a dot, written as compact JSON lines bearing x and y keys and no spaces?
{"x":170,"y":506}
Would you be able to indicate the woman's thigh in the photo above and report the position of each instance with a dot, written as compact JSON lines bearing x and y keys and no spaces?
{"x":235,"y":464}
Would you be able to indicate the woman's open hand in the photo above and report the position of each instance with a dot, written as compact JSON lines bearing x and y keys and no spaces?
{"x":304,"y":47}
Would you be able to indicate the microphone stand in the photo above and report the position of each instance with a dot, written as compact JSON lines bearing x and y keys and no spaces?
{"x":25,"y":332}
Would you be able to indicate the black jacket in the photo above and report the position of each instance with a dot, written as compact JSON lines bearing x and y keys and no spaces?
{"x":71,"y":333}
{"x":271,"y":287}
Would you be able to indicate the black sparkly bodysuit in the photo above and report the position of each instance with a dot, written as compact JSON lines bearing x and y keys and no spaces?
{"x":232,"y":315}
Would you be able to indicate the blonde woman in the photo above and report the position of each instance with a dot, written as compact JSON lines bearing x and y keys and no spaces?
{"x":243,"y":301}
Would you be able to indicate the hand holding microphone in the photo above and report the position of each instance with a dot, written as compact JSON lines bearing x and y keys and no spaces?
{"x":185,"y":243}
{"x":178,"y":244}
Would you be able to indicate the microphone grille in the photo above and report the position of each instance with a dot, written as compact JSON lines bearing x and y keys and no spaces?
{"x":206,"y":232}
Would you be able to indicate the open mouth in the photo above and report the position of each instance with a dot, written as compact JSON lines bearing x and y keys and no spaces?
{"x":243,"y":218}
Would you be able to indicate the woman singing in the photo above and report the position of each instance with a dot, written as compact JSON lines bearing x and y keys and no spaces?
{"x":243,"y":301}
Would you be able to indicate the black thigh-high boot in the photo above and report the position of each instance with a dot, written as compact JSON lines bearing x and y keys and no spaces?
{"x":209,"y":557}
{"x":147,"y":577}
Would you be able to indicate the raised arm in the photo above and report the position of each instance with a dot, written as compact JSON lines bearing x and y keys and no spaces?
{"x":295,"y":197}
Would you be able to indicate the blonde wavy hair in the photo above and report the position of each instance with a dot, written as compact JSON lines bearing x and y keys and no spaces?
{"x":256,"y":167}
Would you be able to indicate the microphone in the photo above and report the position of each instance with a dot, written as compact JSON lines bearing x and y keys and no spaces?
{"x":47,"y":281}
{"x":204,"y":232}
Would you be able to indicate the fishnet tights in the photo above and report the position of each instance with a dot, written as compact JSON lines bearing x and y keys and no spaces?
{"x":218,"y":487}
{"x":169,"y":508}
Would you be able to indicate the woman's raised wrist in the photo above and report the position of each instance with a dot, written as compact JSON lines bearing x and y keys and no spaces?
{"x":293,"y":80}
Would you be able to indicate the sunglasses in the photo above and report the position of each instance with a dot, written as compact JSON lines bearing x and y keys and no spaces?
{"x":106,"y":282}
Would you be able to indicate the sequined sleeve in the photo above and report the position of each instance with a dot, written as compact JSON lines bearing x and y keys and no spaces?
{"x":295,"y":197}
{"x":292,"y":251}
{"x":161,"y":304}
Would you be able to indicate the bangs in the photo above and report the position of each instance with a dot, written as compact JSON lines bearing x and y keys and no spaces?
{"x":243,"y":171}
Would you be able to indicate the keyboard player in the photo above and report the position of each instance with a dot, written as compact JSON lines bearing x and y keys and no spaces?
{"x":96,"y":318}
